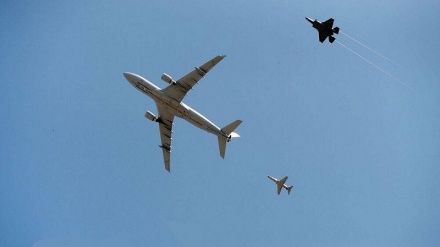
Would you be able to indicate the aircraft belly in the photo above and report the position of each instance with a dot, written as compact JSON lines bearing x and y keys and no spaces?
{"x":200,"y":121}
{"x":173,"y":110}
{"x":190,"y":115}
{"x":168,"y":104}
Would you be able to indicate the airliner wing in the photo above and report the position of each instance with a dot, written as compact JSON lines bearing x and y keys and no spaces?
{"x":178,"y":90}
{"x":165,"y":121}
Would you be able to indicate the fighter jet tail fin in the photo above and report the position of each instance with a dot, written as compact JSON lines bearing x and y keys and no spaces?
{"x":336,"y":30}
{"x":229,"y":131}
{"x":289,"y":189}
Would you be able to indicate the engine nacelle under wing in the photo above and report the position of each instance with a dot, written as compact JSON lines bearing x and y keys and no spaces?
{"x":150,"y":116}
{"x":168,"y":79}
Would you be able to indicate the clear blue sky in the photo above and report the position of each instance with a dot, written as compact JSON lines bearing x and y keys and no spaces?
{"x":80,"y":166}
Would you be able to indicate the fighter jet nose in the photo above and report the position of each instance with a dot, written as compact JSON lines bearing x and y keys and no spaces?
{"x":309,"y":20}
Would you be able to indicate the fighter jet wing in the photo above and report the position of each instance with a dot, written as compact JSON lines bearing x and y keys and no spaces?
{"x":322,"y":37}
{"x":284,"y":180}
{"x":178,"y":90}
{"x":165,"y":121}
{"x":328,"y":23}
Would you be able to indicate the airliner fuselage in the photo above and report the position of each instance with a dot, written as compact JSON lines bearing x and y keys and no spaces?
{"x":178,"y":109}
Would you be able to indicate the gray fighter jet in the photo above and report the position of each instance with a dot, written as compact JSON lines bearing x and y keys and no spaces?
{"x":325,"y":29}
{"x":280,"y":184}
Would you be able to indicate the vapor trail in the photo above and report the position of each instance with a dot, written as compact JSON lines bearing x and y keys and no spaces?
{"x":389,"y":60}
{"x":368,"y":61}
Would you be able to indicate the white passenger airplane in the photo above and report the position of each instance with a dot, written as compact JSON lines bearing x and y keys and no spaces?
{"x":280,"y":184}
{"x":169,"y":104}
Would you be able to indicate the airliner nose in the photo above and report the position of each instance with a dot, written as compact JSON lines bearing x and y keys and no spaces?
{"x":130,"y":77}
{"x":127,"y":75}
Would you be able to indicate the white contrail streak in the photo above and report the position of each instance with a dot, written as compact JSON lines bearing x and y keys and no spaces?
{"x":377,"y":53}
{"x":368,"y":61}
